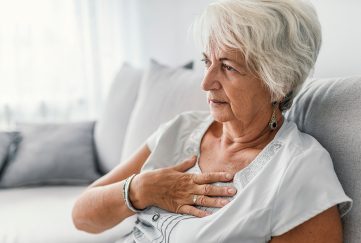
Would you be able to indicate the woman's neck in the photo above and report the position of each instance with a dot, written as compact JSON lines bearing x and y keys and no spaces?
{"x":234,"y":136}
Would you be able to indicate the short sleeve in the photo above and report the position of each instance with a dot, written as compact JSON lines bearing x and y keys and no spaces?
{"x":309,"y":186}
{"x":153,"y":139}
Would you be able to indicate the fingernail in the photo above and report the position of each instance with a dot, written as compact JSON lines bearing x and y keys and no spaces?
{"x":224,"y":202}
{"x":229,"y":176}
{"x":231,"y":190}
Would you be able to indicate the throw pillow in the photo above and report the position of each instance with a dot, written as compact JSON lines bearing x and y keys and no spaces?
{"x":164,"y":93}
{"x":49,"y":154}
{"x":112,"y":124}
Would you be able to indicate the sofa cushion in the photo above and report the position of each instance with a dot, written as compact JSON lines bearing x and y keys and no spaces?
{"x":112,"y":124}
{"x":164,"y":92}
{"x":329,"y":110}
{"x":43,"y":215}
{"x":52,"y":154}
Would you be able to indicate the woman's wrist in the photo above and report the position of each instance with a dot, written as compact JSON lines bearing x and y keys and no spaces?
{"x":136,"y":194}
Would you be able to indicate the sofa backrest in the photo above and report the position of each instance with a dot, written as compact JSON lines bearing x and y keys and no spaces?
{"x":330,"y":110}
{"x":138,"y":102}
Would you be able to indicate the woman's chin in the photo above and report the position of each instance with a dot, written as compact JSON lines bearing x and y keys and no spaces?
{"x":220,"y":116}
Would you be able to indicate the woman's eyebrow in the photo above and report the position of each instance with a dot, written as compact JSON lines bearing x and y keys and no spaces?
{"x":231,"y":60}
{"x":220,"y":59}
{"x":225,"y":59}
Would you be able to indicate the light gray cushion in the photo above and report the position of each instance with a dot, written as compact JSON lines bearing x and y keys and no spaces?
{"x":112,"y":124}
{"x":43,"y":215}
{"x":6,"y":139}
{"x":50,"y":154}
{"x":330,"y":110}
{"x":164,"y":92}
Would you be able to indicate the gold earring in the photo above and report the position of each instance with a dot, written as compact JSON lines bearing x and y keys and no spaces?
{"x":273,"y":122}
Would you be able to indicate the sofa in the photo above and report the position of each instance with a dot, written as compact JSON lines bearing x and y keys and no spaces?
{"x":37,"y":208}
{"x":45,"y":167}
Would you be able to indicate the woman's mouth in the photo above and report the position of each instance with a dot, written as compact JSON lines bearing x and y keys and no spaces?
{"x":217,"y":102}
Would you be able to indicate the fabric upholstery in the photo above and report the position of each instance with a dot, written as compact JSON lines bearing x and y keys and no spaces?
{"x":43,"y":215}
{"x":110,"y":130}
{"x":329,"y":110}
{"x":49,"y":154}
{"x":112,"y":124}
{"x":164,"y":93}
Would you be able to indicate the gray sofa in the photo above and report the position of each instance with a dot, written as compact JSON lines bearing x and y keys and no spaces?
{"x":53,"y":163}
{"x":327,"y":109}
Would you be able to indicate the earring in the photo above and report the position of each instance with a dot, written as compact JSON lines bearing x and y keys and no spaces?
{"x":273,"y":122}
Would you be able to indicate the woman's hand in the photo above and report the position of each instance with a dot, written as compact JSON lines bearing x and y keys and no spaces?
{"x":174,"y":190}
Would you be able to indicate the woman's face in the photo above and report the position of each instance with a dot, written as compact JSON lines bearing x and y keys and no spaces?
{"x":233,"y":92}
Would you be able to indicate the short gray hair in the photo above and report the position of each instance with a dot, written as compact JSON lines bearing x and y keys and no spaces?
{"x":280,"y":39}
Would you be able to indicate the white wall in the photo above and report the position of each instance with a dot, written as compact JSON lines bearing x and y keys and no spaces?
{"x":341,"y":26}
{"x":159,"y":29}
{"x":162,"y":28}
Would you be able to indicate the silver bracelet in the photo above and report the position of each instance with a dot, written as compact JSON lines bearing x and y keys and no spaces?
{"x":126,"y":186}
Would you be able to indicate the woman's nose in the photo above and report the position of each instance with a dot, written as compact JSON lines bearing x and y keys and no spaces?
{"x":210,"y":80}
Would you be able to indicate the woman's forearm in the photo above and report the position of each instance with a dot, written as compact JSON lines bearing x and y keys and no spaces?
{"x":100,"y":208}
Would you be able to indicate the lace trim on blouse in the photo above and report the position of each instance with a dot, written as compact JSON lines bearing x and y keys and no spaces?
{"x":242,"y":177}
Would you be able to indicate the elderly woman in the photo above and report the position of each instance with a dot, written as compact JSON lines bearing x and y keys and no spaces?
{"x":241,"y":173}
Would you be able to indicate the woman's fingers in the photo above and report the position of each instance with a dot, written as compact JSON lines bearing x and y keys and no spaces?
{"x":174,"y":187}
{"x":211,"y":190}
{"x":211,"y":201}
{"x":187,"y":209}
{"x":211,"y":177}
{"x":185,"y":165}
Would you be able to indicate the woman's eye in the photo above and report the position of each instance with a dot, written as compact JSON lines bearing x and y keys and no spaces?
{"x":206,"y":62}
{"x":229,"y":68}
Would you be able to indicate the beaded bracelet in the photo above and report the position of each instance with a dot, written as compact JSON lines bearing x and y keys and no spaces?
{"x":126,"y":186}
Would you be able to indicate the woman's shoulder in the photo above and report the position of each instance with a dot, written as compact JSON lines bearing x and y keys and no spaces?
{"x":169,"y":143}
{"x":177,"y":128}
{"x":307,"y":180}
{"x":297,"y":141}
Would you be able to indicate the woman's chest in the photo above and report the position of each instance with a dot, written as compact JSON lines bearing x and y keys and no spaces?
{"x":214,"y":157}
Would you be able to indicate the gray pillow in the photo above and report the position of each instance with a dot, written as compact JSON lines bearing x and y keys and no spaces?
{"x":330,"y":110}
{"x":112,"y":124}
{"x":6,"y":139}
{"x":52,"y":154}
{"x":163,"y":93}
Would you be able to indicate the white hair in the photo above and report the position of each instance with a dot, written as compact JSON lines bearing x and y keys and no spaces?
{"x":280,"y":39}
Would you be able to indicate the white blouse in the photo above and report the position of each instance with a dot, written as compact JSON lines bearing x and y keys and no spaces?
{"x":289,"y":182}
